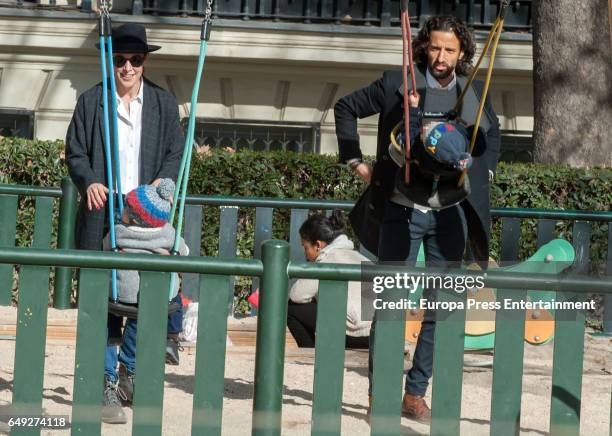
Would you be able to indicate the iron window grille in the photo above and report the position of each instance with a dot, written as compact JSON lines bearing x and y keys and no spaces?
{"x":257,"y":135}
{"x":383,"y":13}
{"x":17,"y":123}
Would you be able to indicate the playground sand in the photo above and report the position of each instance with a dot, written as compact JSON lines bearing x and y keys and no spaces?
{"x":297,"y":399}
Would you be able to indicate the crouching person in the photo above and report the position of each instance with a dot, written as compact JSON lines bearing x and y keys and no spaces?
{"x":144,"y":229}
{"x":324,"y":241}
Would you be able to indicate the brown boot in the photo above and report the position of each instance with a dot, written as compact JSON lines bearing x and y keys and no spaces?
{"x":415,"y":408}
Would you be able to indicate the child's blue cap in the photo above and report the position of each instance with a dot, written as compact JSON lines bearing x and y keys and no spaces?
{"x":448,"y":144}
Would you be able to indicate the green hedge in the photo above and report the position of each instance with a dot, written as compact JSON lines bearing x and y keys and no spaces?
{"x":291,"y":175}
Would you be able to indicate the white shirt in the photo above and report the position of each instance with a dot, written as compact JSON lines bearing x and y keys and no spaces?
{"x":130,"y":127}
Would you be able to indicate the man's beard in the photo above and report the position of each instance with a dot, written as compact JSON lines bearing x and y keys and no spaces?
{"x":441,"y":74}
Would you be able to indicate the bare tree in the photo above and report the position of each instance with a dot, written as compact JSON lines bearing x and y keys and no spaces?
{"x":572,"y":77}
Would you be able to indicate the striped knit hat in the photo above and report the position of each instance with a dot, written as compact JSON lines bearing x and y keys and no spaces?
{"x":149,"y":206}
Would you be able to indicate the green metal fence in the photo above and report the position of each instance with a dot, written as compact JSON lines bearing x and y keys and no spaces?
{"x":448,"y":355}
{"x":276,"y":263}
{"x":275,"y":269}
{"x":151,"y":337}
{"x":45,"y":199}
{"x":228,"y":209}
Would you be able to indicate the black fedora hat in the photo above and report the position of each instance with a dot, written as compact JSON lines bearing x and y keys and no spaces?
{"x":131,"y":38}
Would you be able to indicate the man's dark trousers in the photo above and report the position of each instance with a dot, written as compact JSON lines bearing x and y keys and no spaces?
{"x":444,"y":235}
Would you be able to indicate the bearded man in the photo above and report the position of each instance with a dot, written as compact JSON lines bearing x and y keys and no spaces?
{"x":393,"y":226}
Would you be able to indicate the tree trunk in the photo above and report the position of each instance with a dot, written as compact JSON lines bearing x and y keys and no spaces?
{"x":572,"y":75}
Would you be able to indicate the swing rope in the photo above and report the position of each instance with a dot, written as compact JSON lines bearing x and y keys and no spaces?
{"x":407,"y":61}
{"x":496,"y":31}
{"x":472,"y":76}
{"x":111,"y":68}
{"x":183,"y":176}
{"x":491,"y":43}
{"x":115,"y":182}
{"x":105,"y":35}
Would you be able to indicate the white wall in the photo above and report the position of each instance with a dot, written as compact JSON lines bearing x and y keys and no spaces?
{"x":270,"y":75}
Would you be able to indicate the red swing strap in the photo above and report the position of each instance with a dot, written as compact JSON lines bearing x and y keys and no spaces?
{"x":407,"y":61}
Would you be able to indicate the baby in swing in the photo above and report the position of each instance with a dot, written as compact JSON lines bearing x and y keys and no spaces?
{"x":439,"y":155}
{"x":144,"y":229}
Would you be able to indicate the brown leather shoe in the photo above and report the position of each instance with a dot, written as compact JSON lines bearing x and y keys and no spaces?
{"x":415,"y":408}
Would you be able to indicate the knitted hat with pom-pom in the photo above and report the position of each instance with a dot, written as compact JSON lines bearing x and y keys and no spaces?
{"x":148,"y":205}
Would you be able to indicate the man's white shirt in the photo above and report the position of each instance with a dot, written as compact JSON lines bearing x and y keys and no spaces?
{"x":129,"y":129}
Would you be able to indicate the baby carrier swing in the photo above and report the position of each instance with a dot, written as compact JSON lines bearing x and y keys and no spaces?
{"x":426,"y":179}
{"x":114,"y":181}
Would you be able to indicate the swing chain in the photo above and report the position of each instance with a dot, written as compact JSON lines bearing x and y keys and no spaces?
{"x":208,"y":12}
{"x":504,"y":6}
{"x":105,"y":6}
{"x":207,"y":22}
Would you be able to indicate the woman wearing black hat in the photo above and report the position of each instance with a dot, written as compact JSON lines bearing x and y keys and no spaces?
{"x":150,"y":149}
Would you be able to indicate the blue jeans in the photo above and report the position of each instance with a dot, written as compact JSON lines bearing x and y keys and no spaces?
{"x":443,"y":234}
{"x":175,"y":319}
{"x":127,"y":350}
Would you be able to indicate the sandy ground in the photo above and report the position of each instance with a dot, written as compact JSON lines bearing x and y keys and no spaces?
{"x":297,"y":400}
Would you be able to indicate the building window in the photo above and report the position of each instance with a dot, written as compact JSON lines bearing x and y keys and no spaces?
{"x":257,"y":135}
{"x":16,"y":122}
{"x":516,"y":146}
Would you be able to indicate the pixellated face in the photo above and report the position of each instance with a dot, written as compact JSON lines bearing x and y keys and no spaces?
{"x":129,"y":68}
{"x":443,"y":53}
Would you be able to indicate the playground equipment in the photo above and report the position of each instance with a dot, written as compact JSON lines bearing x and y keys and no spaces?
{"x":408,"y":66}
{"x":275,"y":270}
{"x":113,"y":161}
{"x":552,"y":258}
{"x":209,"y":279}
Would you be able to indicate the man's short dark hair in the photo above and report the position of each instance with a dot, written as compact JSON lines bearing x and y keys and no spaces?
{"x":446,"y":23}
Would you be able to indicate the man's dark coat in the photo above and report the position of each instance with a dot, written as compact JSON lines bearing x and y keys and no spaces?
{"x":161,"y":148}
{"x":384,"y":97}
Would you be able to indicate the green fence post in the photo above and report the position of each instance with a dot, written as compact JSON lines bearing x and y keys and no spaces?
{"x":329,"y":358}
{"x":388,"y":366}
{"x":8,"y":223}
{"x":271,"y":325}
{"x":508,"y":365}
{"x":150,"y":354}
{"x":568,"y":358}
{"x":65,"y":239}
{"x":568,"y":354}
{"x":31,"y":332}
{"x":449,"y":342}
{"x":90,"y":350}
{"x":207,"y":413}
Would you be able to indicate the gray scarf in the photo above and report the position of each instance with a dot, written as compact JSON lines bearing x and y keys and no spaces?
{"x":132,"y":239}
